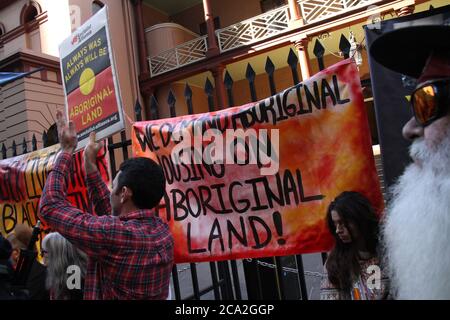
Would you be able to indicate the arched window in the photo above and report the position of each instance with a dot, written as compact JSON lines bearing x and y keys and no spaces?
{"x":29,"y":12}
{"x":96,"y":6}
{"x":29,"y":21}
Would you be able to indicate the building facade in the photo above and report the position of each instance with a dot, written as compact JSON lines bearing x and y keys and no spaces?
{"x":160,"y":46}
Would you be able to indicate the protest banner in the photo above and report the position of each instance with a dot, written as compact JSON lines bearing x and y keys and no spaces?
{"x":91,"y":88}
{"x":23,"y":178}
{"x":256,"y":180}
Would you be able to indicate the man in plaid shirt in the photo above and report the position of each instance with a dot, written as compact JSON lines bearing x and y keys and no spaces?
{"x":131,"y":251}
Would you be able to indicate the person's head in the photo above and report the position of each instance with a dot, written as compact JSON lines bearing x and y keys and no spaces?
{"x":353,"y":223}
{"x":19,"y":238}
{"x":416,"y":49}
{"x":139,"y":184}
{"x":429,"y":128}
{"x":417,"y":220}
{"x":58,"y":255}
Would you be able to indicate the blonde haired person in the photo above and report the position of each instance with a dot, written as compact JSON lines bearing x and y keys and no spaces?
{"x":64,"y":264}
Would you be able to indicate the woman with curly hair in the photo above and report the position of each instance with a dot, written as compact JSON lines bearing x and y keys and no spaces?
{"x":353,"y":270}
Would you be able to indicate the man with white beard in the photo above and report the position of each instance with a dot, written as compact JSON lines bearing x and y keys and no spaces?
{"x":417,"y":222}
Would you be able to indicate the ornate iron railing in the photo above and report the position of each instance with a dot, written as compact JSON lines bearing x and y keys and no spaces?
{"x":246,"y":32}
{"x":251,"y":30}
{"x":315,"y":10}
{"x":182,"y":55}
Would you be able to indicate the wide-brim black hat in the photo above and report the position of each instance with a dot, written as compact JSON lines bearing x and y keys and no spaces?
{"x":406,"y":48}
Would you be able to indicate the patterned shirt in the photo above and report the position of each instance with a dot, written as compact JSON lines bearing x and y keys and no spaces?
{"x":367,"y":286}
{"x":130,"y":257}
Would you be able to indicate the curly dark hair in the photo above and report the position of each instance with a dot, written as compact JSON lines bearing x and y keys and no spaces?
{"x":146,"y":180}
{"x":342,"y":263}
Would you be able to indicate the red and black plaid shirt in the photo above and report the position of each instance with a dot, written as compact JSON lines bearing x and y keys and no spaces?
{"x":130,"y":257}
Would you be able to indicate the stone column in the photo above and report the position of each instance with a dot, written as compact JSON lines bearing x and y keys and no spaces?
{"x":294,"y":10}
{"x":301,"y":45}
{"x":405,"y":11}
{"x":142,"y":48}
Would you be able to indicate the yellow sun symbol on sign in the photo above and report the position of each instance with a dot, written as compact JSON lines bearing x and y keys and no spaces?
{"x":87,"y":81}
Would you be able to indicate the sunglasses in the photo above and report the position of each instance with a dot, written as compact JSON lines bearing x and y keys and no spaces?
{"x":431,"y":101}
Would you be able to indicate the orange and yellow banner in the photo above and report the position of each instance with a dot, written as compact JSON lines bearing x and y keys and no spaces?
{"x":256,"y":180}
{"x":23,"y":178}
{"x":91,"y":86}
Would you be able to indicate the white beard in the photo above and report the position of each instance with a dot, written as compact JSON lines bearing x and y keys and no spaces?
{"x":417,"y":226}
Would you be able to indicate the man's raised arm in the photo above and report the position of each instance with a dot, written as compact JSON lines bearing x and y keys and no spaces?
{"x":97,"y":189}
{"x":87,"y":232}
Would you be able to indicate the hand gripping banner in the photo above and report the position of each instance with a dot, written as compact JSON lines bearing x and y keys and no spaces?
{"x":256,"y":180}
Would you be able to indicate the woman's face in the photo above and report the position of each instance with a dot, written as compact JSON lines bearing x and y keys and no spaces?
{"x":341,"y":229}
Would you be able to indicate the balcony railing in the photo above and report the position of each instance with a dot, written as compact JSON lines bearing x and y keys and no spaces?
{"x":315,"y":10}
{"x":246,"y":32}
{"x":182,"y":55}
{"x":255,"y":29}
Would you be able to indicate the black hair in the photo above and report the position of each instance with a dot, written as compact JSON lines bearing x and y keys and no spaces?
{"x":343,"y":261}
{"x":146,"y":180}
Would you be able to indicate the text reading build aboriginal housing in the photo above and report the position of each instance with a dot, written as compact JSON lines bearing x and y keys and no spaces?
{"x":239,"y":219}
